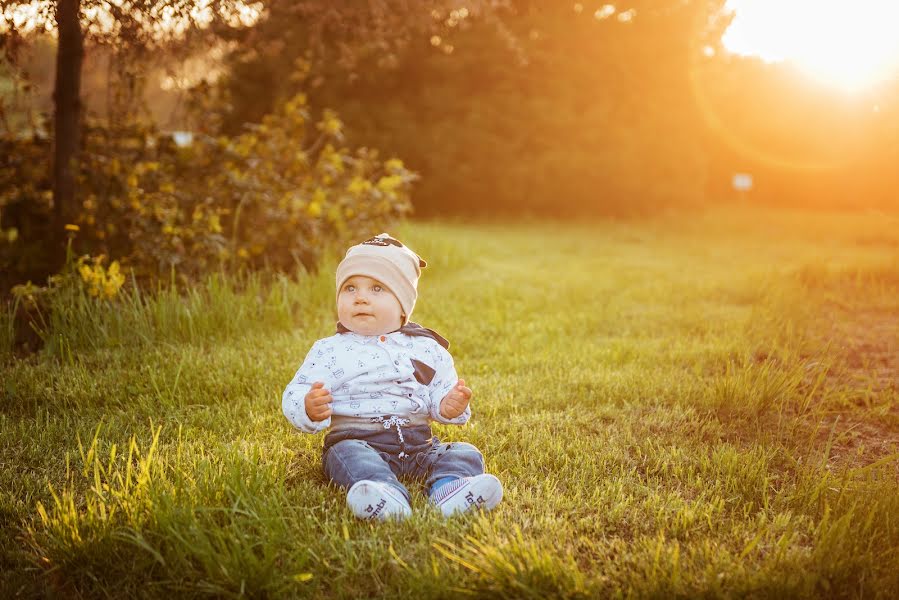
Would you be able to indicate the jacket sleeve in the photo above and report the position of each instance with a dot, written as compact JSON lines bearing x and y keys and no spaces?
{"x":444,"y":380}
{"x":293,"y":400}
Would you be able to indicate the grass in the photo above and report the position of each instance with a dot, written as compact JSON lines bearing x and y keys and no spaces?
{"x":679,"y":407}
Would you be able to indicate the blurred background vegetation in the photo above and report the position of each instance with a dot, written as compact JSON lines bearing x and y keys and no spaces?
{"x":175,"y":138}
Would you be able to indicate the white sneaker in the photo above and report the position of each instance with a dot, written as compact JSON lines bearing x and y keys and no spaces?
{"x":375,"y":500}
{"x":468,"y":493}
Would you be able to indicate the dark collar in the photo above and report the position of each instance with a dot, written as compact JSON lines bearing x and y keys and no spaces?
{"x":413,"y":329}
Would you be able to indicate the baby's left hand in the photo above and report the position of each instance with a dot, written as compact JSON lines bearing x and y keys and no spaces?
{"x":456,"y":401}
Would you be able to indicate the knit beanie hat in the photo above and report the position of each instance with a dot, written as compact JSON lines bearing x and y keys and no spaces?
{"x":386,"y":259}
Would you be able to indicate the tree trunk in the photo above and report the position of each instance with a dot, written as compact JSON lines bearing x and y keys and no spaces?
{"x":67,"y":113}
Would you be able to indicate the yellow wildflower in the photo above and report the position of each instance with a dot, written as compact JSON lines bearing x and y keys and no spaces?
{"x":358,"y":186}
{"x":295,"y":103}
{"x":394,"y":165}
{"x":86,"y":272}
{"x":389,"y":184}
{"x":330,"y":124}
{"x":113,"y":280}
{"x":331,"y":158}
{"x":99,"y":280}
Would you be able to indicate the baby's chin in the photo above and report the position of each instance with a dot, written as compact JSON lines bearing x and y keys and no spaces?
{"x":362,"y":328}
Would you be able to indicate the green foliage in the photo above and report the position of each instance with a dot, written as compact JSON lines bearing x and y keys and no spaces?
{"x":25,"y":207}
{"x":279,"y":194}
{"x":575,"y":115}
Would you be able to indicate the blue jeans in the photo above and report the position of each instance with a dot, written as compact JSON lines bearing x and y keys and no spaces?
{"x":353,"y":455}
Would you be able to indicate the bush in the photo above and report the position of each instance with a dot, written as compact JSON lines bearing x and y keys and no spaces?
{"x":26,"y":204}
{"x":279,"y":195}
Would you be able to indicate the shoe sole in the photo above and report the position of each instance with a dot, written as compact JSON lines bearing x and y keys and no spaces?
{"x":484,"y":492}
{"x":368,"y":501}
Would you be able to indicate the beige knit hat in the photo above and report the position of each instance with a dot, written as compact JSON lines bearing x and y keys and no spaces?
{"x":386,"y":259}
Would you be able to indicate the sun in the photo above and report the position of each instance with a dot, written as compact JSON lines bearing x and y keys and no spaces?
{"x":850,"y":44}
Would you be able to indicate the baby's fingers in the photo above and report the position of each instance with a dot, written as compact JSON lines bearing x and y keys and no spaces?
{"x":316,"y":392}
{"x":320,"y":399}
{"x":460,"y":386}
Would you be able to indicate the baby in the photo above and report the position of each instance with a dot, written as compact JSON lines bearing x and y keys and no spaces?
{"x":378,"y":383}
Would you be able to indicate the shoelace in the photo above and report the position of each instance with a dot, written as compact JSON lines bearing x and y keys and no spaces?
{"x":397,"y":422}
{"x":447,"y":490}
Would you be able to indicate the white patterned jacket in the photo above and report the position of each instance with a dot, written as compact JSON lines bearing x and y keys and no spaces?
{"x":403,"y":374}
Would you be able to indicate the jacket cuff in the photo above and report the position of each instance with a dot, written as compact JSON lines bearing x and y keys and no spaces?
{"x":460,"y":420}
{"x":295,"y":411}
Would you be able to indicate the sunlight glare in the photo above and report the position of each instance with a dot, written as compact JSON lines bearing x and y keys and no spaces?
{"x":852,"y":45}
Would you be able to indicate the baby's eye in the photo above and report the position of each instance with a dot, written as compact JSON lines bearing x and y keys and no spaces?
{"x":376,"y":288}
{"x":349,"y":288}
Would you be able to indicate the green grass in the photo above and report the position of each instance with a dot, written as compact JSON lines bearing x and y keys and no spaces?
{"x":688,"y":406}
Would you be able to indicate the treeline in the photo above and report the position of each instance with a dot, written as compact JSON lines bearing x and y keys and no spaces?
{"x":558,"y":110}
{"x":573,"y":109}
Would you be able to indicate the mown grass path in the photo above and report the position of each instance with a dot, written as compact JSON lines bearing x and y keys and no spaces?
{"x":694,"y":406}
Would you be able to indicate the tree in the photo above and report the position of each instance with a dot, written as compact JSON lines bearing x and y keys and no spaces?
{"x":67,"y":113}
{"x":129,"y":25}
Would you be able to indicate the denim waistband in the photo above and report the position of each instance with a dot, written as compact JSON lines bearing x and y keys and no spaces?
{"x":401,"y":441}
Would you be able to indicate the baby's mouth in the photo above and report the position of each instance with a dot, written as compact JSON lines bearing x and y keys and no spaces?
{"x":363,"y":314}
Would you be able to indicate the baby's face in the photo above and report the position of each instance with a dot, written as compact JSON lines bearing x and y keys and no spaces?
{"x":365,"y":306}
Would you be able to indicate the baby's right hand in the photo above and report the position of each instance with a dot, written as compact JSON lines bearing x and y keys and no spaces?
{"x":318,"y":402}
